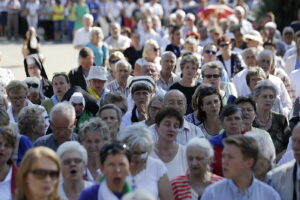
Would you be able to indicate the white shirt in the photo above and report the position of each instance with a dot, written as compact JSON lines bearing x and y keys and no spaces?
{"x":295,"y":81}
{"x":81,"y":37}
{"x":156,"y":9}
{"x":122,"y":42}
{"x":151,"y":35}
{"x":62,"y":193}
{"x":5,"y":185}
{"x":240,"y":83}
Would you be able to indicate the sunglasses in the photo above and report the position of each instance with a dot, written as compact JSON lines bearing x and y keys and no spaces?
{"x":33,"y":85}
{"x":72,"y":160}
{"x":109,"y":148}
{"x":114,"y":61}
{"x":207,"y":51}
{"x":212,"y":76}
{"x":223,"y":45}
{"x":43,"y":173}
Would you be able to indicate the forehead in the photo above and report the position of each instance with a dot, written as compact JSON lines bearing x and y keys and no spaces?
{"x":231,"y":149}
{"x":168,"y":57}
{"x":71,"y":154}
{"x":211,"y":71}
{"x":59,"y":78}
{"x":174,"y":96}
{"x":108,"y":112}
{"x":116,"y":158}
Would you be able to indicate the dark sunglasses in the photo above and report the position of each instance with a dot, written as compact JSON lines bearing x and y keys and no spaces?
{"x":34,"y":85}
{"x":114,"y":61}
{"x":212,"y":76}
{"x":43,"y":173}
{"x":224,"y":45}
{"x":109,"y":148}
{"x":207,"y":51}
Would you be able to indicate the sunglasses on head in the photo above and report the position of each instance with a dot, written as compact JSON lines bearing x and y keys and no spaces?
{"x":34,"y":85}
{"x":108,"y":148}
{"x":43,"y":173}
{"x":212,"y":52}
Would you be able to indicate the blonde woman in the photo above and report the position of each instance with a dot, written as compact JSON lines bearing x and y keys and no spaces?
{"x":99,"y":48}
{"x":151,"y":53}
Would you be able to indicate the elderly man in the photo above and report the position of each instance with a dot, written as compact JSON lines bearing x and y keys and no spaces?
{"x":82,"y":35}
{"x":167,"y":77}
{"x":117,"y":42}
{"x":78,"y":75}
{"x":122,"y":72}
{"x":285,"y":178}
{"x":62,"y":122}
{"x":176,"y":99}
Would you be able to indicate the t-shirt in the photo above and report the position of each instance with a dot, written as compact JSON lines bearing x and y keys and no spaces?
{"x":100,"y":53}
{"x":5,"y":186}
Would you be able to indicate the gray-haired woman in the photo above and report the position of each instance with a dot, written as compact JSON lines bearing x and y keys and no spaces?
{"x":93,"y":134}
{"x":146,"y":172}
{"x":276,"y":124}
{"x":73,"y":157}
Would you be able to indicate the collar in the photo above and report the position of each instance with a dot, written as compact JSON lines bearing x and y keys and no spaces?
{"x":186,"y":125}
{"x":237,"y":190}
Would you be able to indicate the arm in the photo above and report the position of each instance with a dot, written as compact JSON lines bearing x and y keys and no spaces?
{"x":164,"y":188}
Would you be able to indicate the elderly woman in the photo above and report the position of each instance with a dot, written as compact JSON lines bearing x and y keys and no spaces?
{"x":93,"y":134}
{"x":115,"y":165}
{"x":150,"y":54}
{"x":112,"y":60}
{"x":175,"y":45}
{"x":212,"y":73}
{"x":8,"y":169}
{"x":73,"y":157}
{"x":155,"y":104}
{"x":34,"y":94}
{"x":146,"y":172}
{"x":188,"y":84}
{"x":99,"y":48}
{"x":168,"y":122}
{"x":232,"y":121}
{"x":112,"y":115}
{"x":276,"y":124}
{"x":199,"y":154}
{"x":61,"y":84}
{"x":38,"y":176}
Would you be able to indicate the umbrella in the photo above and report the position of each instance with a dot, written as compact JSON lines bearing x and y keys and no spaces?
{"x":217,"y":10}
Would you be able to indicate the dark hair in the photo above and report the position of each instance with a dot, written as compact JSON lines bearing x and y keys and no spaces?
{"x":168,"y":112}
{"x":246,"y":144}
{"x":61,"y":74}
{"x":204,"y":92}
{"x":8,"y":135}
{"x":241,"y":100}
{"x":85,"y":52}
{"x":115,"y":97}
{"x":113,"y":149}
{"x":140,"y":86}
{"x":230,"y":110}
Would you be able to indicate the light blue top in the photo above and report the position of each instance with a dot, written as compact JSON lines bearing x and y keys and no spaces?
{"x":100,"y":53}
{"x":227,"y":190}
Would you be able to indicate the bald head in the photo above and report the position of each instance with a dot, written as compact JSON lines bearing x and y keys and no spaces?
{"x":296,"y":142}
{"x":175,"y":99}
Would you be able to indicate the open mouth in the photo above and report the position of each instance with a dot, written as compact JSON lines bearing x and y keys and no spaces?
{"x":73,"y":172}
{"x":117,"y":180}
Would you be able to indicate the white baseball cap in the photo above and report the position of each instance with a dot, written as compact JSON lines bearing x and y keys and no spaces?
{"x":97,"y":72}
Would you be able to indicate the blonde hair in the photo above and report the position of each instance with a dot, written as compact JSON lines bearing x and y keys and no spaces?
{"x":148,"y":47}
{"x":29,"y":160}
{"x":95,"y":31}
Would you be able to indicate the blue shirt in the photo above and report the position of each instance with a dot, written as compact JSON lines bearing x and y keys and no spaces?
{"x":227,"y":190}
{"x":49,"y":141}
{"x":100,"y":53}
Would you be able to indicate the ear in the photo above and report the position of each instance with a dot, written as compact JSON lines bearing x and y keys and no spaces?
{"x":250,"y":162}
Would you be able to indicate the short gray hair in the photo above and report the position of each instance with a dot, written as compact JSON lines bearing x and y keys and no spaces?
{"x":72,"y":146}
{"x":65,"y":108}
{"x":212,"y":65}
{"x":96,"y":30}
{"x":265,"y":53}
{"x":245,"y":52}
{"x":88,"y":16}
{"x":96,"y":125}
{"x":113,"y":107}
{"x":174,"y":91}
{"x":28,"y":118}
{"x":264,"y":85}
{"x":138,"y":135}
{"x":168,"y":53}
{"x":202,"y":143}
{"x":124,"y":62}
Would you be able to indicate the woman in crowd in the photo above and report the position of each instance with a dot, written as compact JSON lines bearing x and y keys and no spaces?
{"x":232,"y":121}
{"x":61,"y":84}
{"x":276,"y":124}
{"x":114,"y":57}
{"x":93,"y":134}
{"x":31,"y":43}
{"x":34,"y":68}
{"x":188,"y":84}
{"x":34,"y":90}
{"x":292,"y":56}
{"x":190,"y":186}
{"x":117,"y":99}
{"x":155,"y":104}
{"x":8,"y":170}
{"x":112,"y":115}
{"x":146,"y":172}
{"x":212,"y":73}
{"x":81,"y":9}
{"x":99,"y":48}
{"x":73,"y":157}
{"x":150,"y":54}
{"x":115,"y":165}
{"x":168,"y":122}
{"x":175,"y":46}
{"x":38,"y":176}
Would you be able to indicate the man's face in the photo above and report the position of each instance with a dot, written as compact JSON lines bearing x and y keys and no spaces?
{"x":176,"y":100}
{"x":168,"y":63}
{"x":62,"y":126}
{"x":296,"y":143}
{"x":122,"y":73}
{"x":150,"y":70}
{"x":115,"y":31}
{"x":87,"y":22}
{"x":87,"y":62}
{"x":265,"y":63}
{"x":250,"y":59}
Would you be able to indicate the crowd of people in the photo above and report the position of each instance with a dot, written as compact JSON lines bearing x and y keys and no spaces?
{"x":170,"y":100}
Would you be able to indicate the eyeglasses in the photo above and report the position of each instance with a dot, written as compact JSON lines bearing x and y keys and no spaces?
{"x":114,"y":61}
{"x":224,"y":44}
{"x":110,"y":148}
{"x":21,"y":98}
{"x":207,"y":51}
{"x":34,"y":85}
{"x":212,"y":76}
{"x":72,"y":160}
{"x":156,"y":49}
{"x":43,"y":173}
{"x":54,"y":128}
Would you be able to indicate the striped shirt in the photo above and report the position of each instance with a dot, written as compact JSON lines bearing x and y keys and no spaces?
{"x":182,"y":189}
{"x":114,"y":86}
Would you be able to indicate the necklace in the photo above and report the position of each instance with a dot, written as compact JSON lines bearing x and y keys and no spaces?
{"x":262,"y":124}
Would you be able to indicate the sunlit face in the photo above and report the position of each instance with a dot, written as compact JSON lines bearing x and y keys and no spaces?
{"x":6,"y":150}
{"x":212,"y":77}
{"x":97,"y":85}
{"x":189,"y":71}
{"x":96,"y":38}
{"x":122,"y":73}
{"x":209,"y":54}
{"x":72,"y":166}
{"x":62,"y":126}
{"x":17,"y":99}
{"x":87,"y":62}
{"x":265,"y":63}
{"x":60,"y":86}
{"x":168,"y":129}
{"x":39,"y":186}
{"x":248,"y":112}
{"x":176,"y":100}
{"x":197,"y":160}
{"x":93,"y":144}
{"x":34,"y":70}
{"x":233,"y":124}
{"x":253,"y":81}
{"x":211,"y":104}
{"x":110,"y":116}
{"x":250,"y":59}
{"x":168,"y":63}
{"x":266,"y":99}
{"x":150,"y":70}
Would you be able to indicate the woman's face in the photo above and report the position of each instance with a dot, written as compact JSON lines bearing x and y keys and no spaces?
{"x":168,"y":129}
{"x":60,"y":86}
{"x":154,"y":51}
{"x":176,"y":37}
{"x":93,"y":143}
{"x":139,"y":156}
{"x":212,"y":77}
{"x":72,"y":166}
{"x":253,"y":81}
{"x":250,"y":59}
{"x":266,"y":99}
{"x":211,"y":105}
{"x":34,"y":70}
{"x":96,"y":38}
{"x":154,"y":108}
{"x":197,"y":160}
{"x":233,"y":124}
{"x":265,"y":63}
{"x":111,"y":118}
{"x":17,"y":99}
{"x":40,"y":129}
{"x":6,"y":151}
{"x":141,"y":98}
{"x":42,"y":178}
{"x":189,"y":71}
{"x":248,"y":112}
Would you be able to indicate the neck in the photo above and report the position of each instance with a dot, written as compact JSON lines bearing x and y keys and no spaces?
{"x":59,"y":98}
{"x":93,"y":163}
{"x":162,"y":144}
{"x":137,"y":168}
{"x":3,"y":171}
{"x":187,"y":82}
{"x":199,"y":178}
{"x":243,"y":182}
{"x":226,"y":55}
{"x":247,"y":126}
{"x":165,"y":75}
{"x":71,"y":186}
{"x":263,"y":114}
{"x":122,"y":84}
